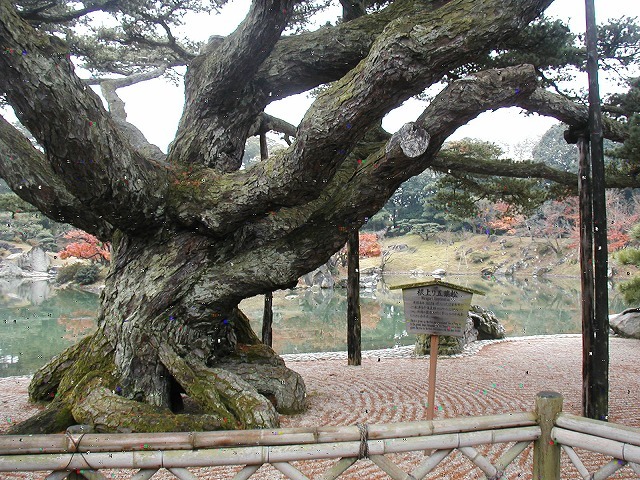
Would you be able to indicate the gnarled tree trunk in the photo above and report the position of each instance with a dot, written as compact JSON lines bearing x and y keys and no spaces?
{"x":155,"y":343}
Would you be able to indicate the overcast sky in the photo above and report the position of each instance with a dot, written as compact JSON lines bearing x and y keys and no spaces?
{"x":155,"y":106}
{"x":507,"y":127}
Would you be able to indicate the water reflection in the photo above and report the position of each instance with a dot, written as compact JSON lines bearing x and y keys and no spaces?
{"x":38,"y":322}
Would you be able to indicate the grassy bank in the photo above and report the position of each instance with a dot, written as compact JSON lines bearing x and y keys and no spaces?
{"x":470,"y":254}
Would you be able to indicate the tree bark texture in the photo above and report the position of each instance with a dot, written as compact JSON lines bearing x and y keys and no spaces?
{"x":193,"y":234}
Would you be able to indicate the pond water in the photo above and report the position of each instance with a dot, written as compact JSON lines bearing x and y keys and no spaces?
{"x":37,"y":321}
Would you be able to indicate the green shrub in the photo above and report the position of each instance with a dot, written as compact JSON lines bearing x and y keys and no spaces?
{"x":87,"y":274}
{"x":68,"y":273}
{"x":631,"y":291}
{"x":47,"y":242}
{"x":628,"y":256}
{"x":479,"y":257}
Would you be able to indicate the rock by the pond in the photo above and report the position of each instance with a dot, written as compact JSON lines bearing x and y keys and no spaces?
{"x":35,"y":260}
{"x":320,"y":277}
{"x":627,"y":323}
{"x":481,"y":325}
{"x":11,"y":270}
{"x":486,"y":322}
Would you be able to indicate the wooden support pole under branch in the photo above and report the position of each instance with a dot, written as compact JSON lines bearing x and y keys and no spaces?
{"x":596,"y":397}
{"x":354,"y":339}
{"x":267,"y":316}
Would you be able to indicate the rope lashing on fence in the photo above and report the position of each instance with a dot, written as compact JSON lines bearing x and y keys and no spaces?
{"x":75,"y":445}
{"x":364,"y":439}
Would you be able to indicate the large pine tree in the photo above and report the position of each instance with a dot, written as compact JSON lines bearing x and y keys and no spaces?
{"x":193,"y":233}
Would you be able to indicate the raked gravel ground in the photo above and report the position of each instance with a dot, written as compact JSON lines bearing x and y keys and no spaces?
{"x":391,"y":386}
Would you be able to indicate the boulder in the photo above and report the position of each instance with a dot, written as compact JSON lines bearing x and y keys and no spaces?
{"x":11,"y":270}
{"x":627,"y":323}
{"x":320,"y":277}
{"x":35,"y":261}
{"x":486,"y":322}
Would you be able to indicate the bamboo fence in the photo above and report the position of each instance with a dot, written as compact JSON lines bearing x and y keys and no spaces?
{"x":549,"y":429}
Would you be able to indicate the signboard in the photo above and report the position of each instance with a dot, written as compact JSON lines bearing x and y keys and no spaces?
{"x":436,"y":308}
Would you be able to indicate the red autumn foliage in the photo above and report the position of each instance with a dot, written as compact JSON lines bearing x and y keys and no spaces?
{"x":86,"y":246}
{"x":369,"y":245}
{"x":504,"y":220}
{"x":562,"y":219}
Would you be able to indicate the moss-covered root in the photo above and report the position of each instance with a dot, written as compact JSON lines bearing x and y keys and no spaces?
{"x":53,"y":419}
{"x":108,"y":412}
{"x":217,"y":391}
{"x":45,"y":382}
{"x":283,"y":386}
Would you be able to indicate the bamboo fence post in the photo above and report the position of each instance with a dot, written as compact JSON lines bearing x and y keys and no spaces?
{"x":546,"y":453}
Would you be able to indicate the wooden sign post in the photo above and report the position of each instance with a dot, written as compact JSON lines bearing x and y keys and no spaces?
{"x":435,"y":308}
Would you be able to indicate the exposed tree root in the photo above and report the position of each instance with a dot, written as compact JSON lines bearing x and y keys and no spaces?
{"x":245,"y":390}
{"x":231,"y":395}
{"x":108,"y":412}
{"x":56,"y":417}
{"x":46,"y":381}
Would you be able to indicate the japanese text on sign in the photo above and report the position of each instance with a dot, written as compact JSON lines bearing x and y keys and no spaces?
{"x":436,"y":310}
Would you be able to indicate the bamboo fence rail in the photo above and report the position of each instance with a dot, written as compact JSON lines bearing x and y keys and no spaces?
{"x":618,"y":441}
{"x":257,"y":455}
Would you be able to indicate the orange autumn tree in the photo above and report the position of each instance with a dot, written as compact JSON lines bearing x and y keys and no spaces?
{"x":505,"y":219}
{"x":86,"y":246}
{"x":369,"y":245}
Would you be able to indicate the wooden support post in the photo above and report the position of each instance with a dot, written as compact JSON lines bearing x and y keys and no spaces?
{"x":354,"y":340}
{"x":267,"y":320}
{"x":267,"y":316}
{"x":546,"y":453}
{"x":586,"y":267}
{"x":596,"y":402}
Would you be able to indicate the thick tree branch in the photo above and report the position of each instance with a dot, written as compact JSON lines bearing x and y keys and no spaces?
{"x":573,"y":114}
{"x":26,"y":171}
{"x":361,"y":187}
{"x":406,"y":58}
{"x":82,"y":145}
{"x":297,"y":63}
{"x":119,"y":114}
{"x":39,"y":16}
{"x":302,"y":62}
{"x":220,"y":108}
